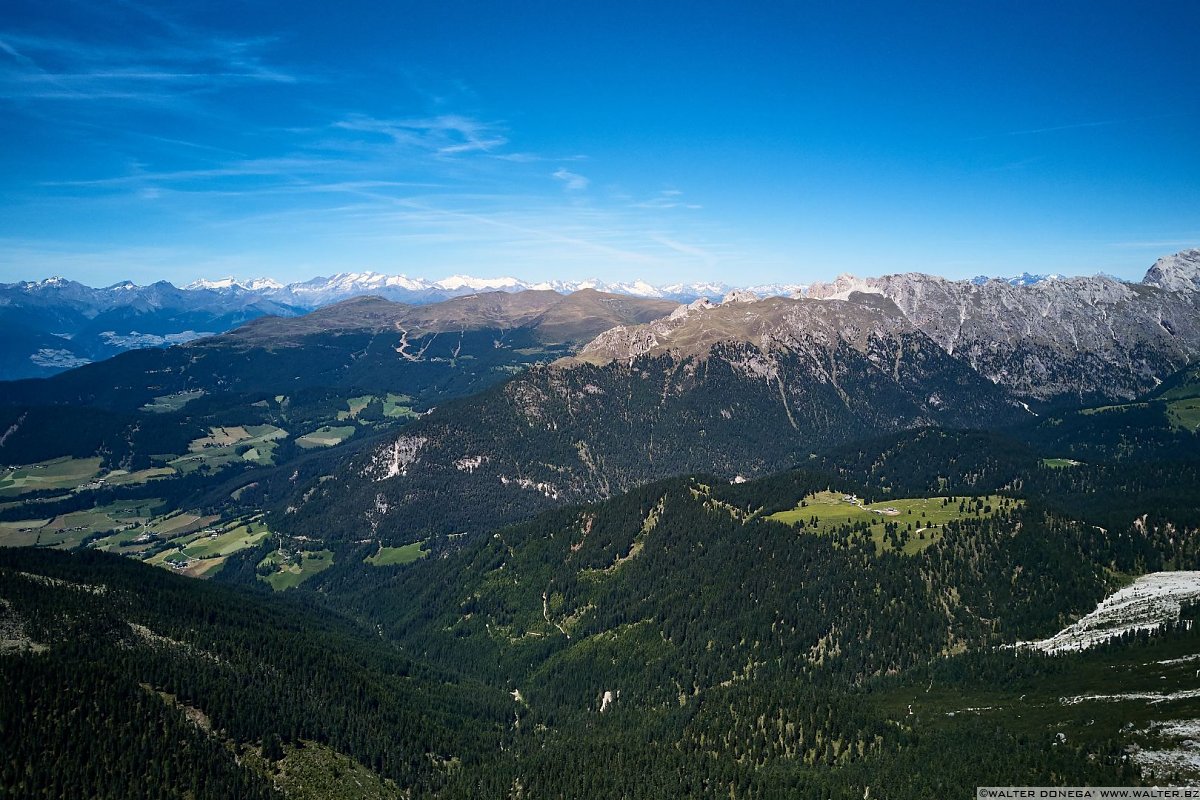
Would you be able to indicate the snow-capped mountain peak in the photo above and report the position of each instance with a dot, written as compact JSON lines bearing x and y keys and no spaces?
{"x":455,"y":282}
{"x":230,"y":282}
{"x":1024,"y":279}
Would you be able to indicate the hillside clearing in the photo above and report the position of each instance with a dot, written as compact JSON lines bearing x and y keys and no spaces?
{"x":397,"y":555}
{"x":58,"y":473}
{"x":906,"y":524}
{"x":284,"y":569}
{"x":326,"y":436}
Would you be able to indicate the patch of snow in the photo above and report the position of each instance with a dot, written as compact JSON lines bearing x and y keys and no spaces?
{"x":134,"y":340}
{"x":478,"y":284}
{"x":972,"y":710}
{"x":1024,"y":279}
{"x":1183,"y":660}
{"x":639,"y":288}
{"x":249,"y":284}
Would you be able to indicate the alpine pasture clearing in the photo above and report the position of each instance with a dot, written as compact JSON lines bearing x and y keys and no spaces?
{"x":918,"y":519}
{"x":309,"y":771}
{"x":178,"y":524}
{"x":326,"y":436}
{"x":354,"y":406}
{"x":1185,"y":414}
{"x":58,"y":473}
{"x":394,"y":406}
{"x":203,"y":548}
{"x":204,"y":569}
{"x":290,"y":569}
{"x":225,"y":543}
{"x":227,"y":445}
{"x":21,"y":534}
{"x":1087,"y":412}
{"x":120,"y":477}
{"x":219,"y":437}
{"x":407,"y":554}
{"x":397,"y":405}
{"x":123,"y":519}
{"x":1060,"y":463}
{"x":168,"y":403}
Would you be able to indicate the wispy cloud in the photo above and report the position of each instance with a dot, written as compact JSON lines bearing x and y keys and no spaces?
{"x":445,"y":134}
{"x":1103,"y":123}
{"x":534,"y":158}
{"x":572,"y":181}
{"x":63,"y":68}
{"x":685,"y":249}
{"x":666,"y":198}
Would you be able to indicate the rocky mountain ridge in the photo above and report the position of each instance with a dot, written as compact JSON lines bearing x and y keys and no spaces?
{"x":57,"y":324}
{"x":1066,"y":339}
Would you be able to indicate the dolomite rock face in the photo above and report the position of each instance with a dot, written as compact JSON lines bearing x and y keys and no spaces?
{"x":1062,"y":341}
{"x":1147,"y":604}
{"x":740,"y":296}
{"x":774,"y":323}
{"x":1177,"y":273}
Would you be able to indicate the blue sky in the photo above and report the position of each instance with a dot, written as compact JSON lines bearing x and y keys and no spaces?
{"x":773,"y":141}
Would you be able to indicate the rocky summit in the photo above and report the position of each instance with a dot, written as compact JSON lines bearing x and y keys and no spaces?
{"x":1069,"y":340}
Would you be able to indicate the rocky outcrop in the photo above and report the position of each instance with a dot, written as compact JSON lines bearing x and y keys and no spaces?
{"x":1063,"y":340}
{"x":1177,"y":273}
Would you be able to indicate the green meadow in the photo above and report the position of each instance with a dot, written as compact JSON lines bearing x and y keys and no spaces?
{"x":921,"y":519}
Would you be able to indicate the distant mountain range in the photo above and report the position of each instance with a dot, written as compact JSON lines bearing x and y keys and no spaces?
{"x":401,"y":288}
{"x":56,"y":324}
